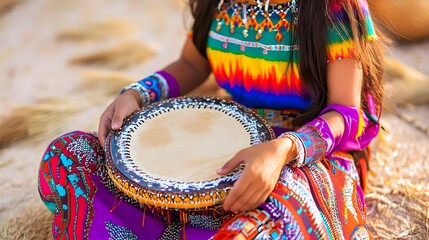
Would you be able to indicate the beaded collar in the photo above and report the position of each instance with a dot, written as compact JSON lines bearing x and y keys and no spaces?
{"x":257,"y":14}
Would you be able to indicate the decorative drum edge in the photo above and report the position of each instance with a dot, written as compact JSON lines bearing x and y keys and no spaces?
{"x":179,"y":198}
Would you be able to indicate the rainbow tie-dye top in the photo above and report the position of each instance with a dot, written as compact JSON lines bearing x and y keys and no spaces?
{"x":252,"y":56}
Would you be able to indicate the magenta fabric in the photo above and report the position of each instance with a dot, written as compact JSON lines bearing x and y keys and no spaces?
{"x":352,"y":139}
{"x":107,"y":208}
{"x":173,"y":86}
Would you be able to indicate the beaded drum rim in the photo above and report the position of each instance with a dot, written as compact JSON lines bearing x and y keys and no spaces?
{"x":164,"y":193}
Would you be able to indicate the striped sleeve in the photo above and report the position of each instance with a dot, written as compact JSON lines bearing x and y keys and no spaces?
{"x":340,"y":43}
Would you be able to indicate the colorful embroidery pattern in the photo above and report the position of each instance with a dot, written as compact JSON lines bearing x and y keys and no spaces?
{"x":307,"y":203}
{"x":254,"y":57}
{"x":314,"y":144}
{"x":65,"y":180}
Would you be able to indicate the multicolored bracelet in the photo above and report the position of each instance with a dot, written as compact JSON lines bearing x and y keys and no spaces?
{"x":311,"y":146}
{"x":300,"y":158}
{"x":315,"y":140}
{"x":322,"y":126}
{"x":160,"y":85}
{"x":143,"y":92}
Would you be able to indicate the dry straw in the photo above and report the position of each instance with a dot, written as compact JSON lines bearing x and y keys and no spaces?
{"x":38,"y":121}
{"x":122,"y":55}
{"x":6,"y":5}
{"x":98,"y":31}
{"x":33,"y":122}
{"x":405,"y":85}
{"x":398,"y":200}
{"x":34,"y":223}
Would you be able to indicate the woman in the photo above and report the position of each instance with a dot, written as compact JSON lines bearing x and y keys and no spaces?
{"x":311,"y":68}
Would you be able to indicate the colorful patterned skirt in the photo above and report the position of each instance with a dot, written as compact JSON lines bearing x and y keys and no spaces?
{"x":320,"y":201}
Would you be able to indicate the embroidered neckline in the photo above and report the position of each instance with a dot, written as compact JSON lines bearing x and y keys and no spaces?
{"x":248,"y":16}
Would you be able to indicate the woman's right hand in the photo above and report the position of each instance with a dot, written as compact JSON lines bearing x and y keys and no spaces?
{"x":114,"y":115}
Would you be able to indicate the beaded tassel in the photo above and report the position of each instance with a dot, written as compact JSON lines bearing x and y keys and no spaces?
{"x":259,"y":33}
{"x":294,"y":9}
{"x":219,"y":6}
{"x":246,"y":25}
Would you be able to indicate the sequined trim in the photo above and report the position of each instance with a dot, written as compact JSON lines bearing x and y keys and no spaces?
{"x":118,"y":232}
{"x":275,"y":47}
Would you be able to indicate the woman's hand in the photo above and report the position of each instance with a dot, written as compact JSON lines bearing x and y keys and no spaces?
{"x":114,"y":115}
{"x":263,"y":164}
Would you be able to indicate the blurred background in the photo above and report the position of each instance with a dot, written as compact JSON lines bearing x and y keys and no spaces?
{"x":62,"y":63}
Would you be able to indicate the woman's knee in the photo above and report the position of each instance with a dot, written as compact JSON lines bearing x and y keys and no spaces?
{"x":75,"y":149}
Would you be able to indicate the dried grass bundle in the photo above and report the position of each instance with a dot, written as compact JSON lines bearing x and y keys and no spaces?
{"x":47,"y":118}
{"x":6,"y":5}
{"x":104,"y":83}
{"x":122,"y":55}
{"x":404,"y":85}
{"x":34,"y":122}
{"x":106,"y":29}
{"x":32,"y":224}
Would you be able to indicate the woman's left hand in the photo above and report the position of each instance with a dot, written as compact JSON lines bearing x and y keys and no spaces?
{"x":263,"y":164}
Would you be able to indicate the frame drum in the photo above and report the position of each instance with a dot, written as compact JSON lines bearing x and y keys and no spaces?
{"x":166,"y":155}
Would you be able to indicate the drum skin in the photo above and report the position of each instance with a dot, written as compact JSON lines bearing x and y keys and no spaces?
{"x":164,"y":193}
{"x":407,"y":19}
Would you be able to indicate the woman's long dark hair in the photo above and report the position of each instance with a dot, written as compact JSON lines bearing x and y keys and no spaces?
{"x":311,"y":35}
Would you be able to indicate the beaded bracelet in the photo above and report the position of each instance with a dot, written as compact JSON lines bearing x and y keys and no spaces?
{"x":311,"y":146}
{"x":318,"y":141}
{"x":314,"y":144}
{"x":143,"y":92}
{"x":160,"y":85}
{"x":326,"y":133}
{"x":300,"y":158}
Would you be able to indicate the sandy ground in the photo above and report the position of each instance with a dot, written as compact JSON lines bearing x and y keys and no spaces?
{"x":35,"y":65}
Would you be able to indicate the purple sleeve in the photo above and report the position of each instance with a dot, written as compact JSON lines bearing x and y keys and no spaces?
{"x":360,"y":128}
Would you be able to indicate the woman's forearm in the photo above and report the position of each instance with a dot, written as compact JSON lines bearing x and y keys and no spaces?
{"x":187,"y":75}
{"x":191,"y":69}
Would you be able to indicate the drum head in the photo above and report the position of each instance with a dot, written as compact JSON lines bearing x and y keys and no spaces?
{"x":178,"y":144}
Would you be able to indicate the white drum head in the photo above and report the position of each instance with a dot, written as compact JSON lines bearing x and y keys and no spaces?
{"x":187,"y":145}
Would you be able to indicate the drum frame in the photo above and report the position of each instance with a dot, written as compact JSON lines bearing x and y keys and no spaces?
{"x":168,"y":194}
